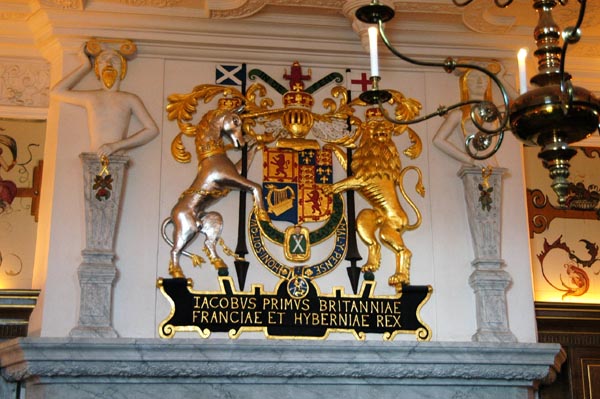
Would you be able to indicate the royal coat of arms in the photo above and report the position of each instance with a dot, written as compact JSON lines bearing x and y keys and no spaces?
{"x":298,"y":206}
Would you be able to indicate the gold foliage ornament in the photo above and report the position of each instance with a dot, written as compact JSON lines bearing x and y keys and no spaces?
{"x":289,"y":126}
{"x":182,"y":108}
{"x":263,"y":123}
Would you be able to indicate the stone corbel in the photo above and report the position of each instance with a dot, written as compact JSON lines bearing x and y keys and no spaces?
{"x":349,"y":10}
{"x":230,"y":9}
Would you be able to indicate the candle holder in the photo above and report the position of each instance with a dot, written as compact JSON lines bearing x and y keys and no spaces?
{"x":375,"y":12}
{"x":375,"y":96}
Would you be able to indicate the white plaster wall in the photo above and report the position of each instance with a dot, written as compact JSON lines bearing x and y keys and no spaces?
{"x":441,"y":246}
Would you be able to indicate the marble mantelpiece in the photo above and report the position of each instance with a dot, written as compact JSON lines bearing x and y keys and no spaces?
{"x":219,"y":368}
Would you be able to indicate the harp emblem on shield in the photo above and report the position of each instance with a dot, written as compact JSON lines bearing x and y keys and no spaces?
{"x":279,"y":200}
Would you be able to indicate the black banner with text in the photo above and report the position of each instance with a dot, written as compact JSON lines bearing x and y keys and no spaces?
{"x":282,"y":314}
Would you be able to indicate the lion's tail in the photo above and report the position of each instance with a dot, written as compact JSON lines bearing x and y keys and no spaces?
{"x":419,"y":188}
{"x":197,"y":260}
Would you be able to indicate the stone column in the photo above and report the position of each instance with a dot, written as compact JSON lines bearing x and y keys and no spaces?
{"x":488,"y":280}
{"x":97,"y":273}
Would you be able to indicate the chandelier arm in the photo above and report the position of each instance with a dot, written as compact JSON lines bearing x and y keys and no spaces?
{"x":503,"y":4}
{"x":442,"y":110}
{"x":572,"y":36}
{"x":582,"y":4}
{"x":498,"y":3}
{"x":487,"y":155}
{"x":398,"y":54}
{"x":450,"y":65}
{"x":464,"y":3}
{"x":481,"y":127}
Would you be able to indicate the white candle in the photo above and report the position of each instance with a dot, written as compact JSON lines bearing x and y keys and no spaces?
{"x":373,"y":50}
{"x":521,"y":56}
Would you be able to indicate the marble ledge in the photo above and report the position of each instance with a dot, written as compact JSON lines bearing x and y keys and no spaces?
{"x":273,"y":361}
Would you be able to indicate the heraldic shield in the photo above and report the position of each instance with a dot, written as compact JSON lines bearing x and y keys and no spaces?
{"x":294,"y":182}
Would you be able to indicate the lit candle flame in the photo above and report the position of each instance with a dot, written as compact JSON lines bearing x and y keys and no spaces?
{"x":521,"y":57}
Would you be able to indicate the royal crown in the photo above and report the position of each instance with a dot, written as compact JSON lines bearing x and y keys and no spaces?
{"x":230,"y":102}
{"x":373,"y":113}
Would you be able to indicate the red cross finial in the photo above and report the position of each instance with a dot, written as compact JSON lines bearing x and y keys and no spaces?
{"x":296,"y":77}
{"x":364,"y":82}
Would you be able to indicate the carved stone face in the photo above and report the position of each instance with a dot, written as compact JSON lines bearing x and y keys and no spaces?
{"x":109,"y":68}
{"x":477,"y":83}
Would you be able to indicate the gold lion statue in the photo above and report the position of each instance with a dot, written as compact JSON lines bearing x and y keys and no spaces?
{"x":377,"y":173}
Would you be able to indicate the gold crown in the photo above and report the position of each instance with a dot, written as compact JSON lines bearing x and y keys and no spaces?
{"x":298,"y":98}
{"x":373,"y":113}
{"x":230,"y":102}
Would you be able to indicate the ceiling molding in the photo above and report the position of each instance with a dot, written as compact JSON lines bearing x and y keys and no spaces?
{"x":478,"y":16}
{"x":153,"y":3}
{"x":316,"y":29}
{"x":246,"y":8}
{"x":64,"y":4}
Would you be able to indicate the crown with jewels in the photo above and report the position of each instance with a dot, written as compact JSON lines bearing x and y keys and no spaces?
{"x":230,"y":102}
{"x":373,"y":113}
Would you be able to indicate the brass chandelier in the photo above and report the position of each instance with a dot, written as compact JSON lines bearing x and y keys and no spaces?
{"x":551,"y":116}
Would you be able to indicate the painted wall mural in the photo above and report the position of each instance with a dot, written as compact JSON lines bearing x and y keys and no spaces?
{"x":21,"y":151}
{"x":564,"y":241}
